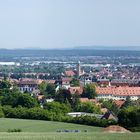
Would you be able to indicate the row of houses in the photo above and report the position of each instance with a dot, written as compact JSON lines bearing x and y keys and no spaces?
{"x":118,"y":93}
{"x":110,"y":92}
{"x":119,"y":82}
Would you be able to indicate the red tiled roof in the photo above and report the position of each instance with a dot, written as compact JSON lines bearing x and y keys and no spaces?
{"x":84,"y":99}
{"x":69,"y":73}
{"x":66,"y":80}
{"x":87,"y":100}
{"x":119,"y":103}
{"x":74,"y":90}
{"x":124,"y":91}
{"x":28,"y":82}
{"x":50,"y":81}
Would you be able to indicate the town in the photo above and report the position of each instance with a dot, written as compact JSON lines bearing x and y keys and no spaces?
{"x":100,"y":87}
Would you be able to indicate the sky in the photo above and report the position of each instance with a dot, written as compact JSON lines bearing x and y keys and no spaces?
{"x":69,"y":23}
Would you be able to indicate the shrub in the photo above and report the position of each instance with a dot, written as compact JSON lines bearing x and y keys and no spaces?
{"x":42,"y":114}
{"x":129,"y":117}
{"x":1,"y":112}
{"x":14,"y":130}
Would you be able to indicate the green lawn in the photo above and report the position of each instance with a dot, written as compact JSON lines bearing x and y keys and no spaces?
{"x":68,"y":136}
{"x":41,"y":126}
{"x":44,"y":130}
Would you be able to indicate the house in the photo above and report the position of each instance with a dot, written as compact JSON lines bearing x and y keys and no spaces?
{"x":119,"y":103}
{"x":70,"y":73}
{"x":66,"y":82}
{"x":50,"y":81}
{"x":109,"y":116}
{"x":124,"y":82}
{"x":76,"y":90}
{"x":86,"y":79}
{"x":103,"y":82}
{"x":118,"y":93}
{"x":27,"y":85}
{"x":88,"y":100}
{"x":78,"y":114}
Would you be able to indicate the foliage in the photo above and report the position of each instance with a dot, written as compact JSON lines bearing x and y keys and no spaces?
{"x":75,"y":82}
{"x":1,"y":112}
{"x":47,"y":89}
{"x":89,"y":91}
{"x":42,"y":114}
{"x":128,"y":102}
{"x":63,"y":96}
{"x":75,"y":102}
{"x":93,"y":121}
{"x":9,"y":98}
{"x":17,"y":99}
{"x":14,"y":130}
{"x":5,"y":84}
{"x":25,"y":100}
{"x":57,"y":107}
{"x":110,"y":105}
{"x":42,"y":86}
{"x":129,"y":117}
{"x":89,"y":107}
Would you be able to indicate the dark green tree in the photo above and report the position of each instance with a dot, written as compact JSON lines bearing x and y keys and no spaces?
{"x":75,"y":82}
{"x":9,"y":98}
{"x":128,"y":102}
{"x":5,"y":84}
{"x":111,"y":106}
{"x":63,"y":96}
{"x":57,"y":107}
{"x":47,"y":89}
{"x":88,"y":107}
{"x":75,"y":102}
{"x":26,"y":100}
{"x":42,"y":86}
{"x":89,"y":91}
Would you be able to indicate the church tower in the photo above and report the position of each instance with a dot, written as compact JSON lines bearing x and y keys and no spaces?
{"x":78,"y":69}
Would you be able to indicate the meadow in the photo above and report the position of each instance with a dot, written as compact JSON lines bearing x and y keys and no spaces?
{"x":47,"y":130}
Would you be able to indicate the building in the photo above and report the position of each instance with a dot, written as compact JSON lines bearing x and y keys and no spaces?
{"x":86,"y":79}
{"x":109,"y":116}
{"x":69,"y":73}
{"x":125,"y":82}
{"x":118,"y":93}
{"x":103,"y":82}
{"x":27,"y":85}
{"x":66,"y":82}
{"x":78,"y":69}
{"x":78,"y":114}
{"x":88,"y":100}
{"x":76,"y":90}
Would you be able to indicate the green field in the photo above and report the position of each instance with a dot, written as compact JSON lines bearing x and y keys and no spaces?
{"x":46,"y":130}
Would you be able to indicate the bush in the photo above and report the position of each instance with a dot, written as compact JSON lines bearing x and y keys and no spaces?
{"x":57,"y":107}
{"x":129,"y":117}
{"x":1,"y":112}
{"x":14,"y":130}
{"x":42,"y":114}
{"x":90,"y":120}
{"x":88,"y":107}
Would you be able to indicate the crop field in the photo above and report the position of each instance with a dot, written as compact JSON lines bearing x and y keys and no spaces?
{"x":47,"y":130}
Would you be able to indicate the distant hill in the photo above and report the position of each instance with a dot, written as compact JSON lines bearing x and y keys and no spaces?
{"x":133,"y":48}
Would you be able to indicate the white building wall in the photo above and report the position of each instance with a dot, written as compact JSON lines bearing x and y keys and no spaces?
{"x":115,"y":97}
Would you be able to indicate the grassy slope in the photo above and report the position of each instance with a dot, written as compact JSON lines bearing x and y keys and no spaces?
{"x":41,"y":126}
{"x":34,"y":130}
{"x":68,"y":136}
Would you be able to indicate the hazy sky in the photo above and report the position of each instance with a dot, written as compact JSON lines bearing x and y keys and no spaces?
{"x":69,"y":23}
